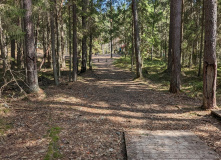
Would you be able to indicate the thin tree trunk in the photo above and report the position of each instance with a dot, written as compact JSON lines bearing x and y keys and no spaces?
{"x":169,"y":67}
{"x":57,"y":39}
{"x":3,"y":47}
{"x":90,"y":51}
{"x":201,"y":43}
{"x":132,"y":46}
{"x":31,"y":56}
{"x":62,"y":45}
{"x":153,"y":25}
{"x":210,"y":62}
{"x":137,"y":40}
{"x":19,"y":54}
{"x":111,"y":27}
{"x":13,"y":54}
{"x":176,"y":46}
{"x":84,"y":39}
{"x":53,"y":45}
{"x":75,"y":51}
{"x":70,"y":62}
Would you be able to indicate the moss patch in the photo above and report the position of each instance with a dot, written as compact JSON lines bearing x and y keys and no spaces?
{"x":53,"y":148}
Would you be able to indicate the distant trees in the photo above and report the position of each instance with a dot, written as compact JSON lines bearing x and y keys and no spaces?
{"x":148,"y":29}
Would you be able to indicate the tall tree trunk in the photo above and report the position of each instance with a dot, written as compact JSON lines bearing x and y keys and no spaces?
{"x":3,"y":47}
{"x":111,"y":27}
{"x":69,"y":42}
{"x":132,"y":46}
{"x":57,"y":39}
{"x":137,"y":40}
{"x":210,"y":62}
{"x":176,"y":46}
{"x":84,"y":39}
{"x":201,"y":43}
{"x":31,"y":56}
{"x":19,"y":54}
{"x":13,"y":54}
{"x":182,"y":30}
{"x":91,"y":37}
{"x":53,"y":44}
{"x":75,"y":51}
{"x":169,"y":67}
{"x":90,"y":51}
{"x":50,"y":65}
{"x":153,"y":25}
{"x":62,"y":44}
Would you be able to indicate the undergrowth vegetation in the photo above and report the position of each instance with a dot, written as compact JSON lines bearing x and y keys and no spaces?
{"x":156,"y":72}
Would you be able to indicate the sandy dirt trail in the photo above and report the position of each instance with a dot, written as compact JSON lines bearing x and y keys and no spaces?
{"x":94,"y":112}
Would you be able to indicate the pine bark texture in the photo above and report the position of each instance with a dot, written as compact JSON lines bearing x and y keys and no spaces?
{"x":210,"y":62}
{"x":31,"y":56}
{"x":137,"y":40}
{"x":176,"y":46}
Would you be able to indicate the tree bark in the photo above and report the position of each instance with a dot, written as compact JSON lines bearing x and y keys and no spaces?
{"x":31,"y":56}
{"x":57,"y":39}
{"x":13,"y":54}
{"x":3,"y":47}
{"x":69,"y":42}
{"x":137,"y":40}
{"x":210,"y":62}
{"x":176,"y":46}
{"x":75,"y":51}
{"x":84,"y":39}
{"x":169,"y":67}
{"x":201,"y":43}
{"x":132,"y":46}
{"x":53,"y":44}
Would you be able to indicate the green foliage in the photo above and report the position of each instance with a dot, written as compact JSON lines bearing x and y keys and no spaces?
{"x":155,"y":71}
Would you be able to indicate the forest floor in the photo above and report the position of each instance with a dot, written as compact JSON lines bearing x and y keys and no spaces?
{"x":86,"y":119}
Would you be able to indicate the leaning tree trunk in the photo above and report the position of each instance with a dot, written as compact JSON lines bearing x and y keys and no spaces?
{"x":75,"y":52}
{"x":137,"y":40}
{"x":176,"y":46}
{"x":210,"y":62}
{"x":31,"y":56}
{"x":84,"y":39}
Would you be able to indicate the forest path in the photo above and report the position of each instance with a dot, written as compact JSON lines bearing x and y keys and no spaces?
{"x":94,"y":112}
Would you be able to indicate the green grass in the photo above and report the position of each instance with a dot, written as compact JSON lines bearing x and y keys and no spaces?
{"x":53,"y":148}
{"x":123,"y":62}
{"x":155,"y":71}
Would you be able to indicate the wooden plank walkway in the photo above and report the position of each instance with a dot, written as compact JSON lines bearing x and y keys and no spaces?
{"x":163,"y":145}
